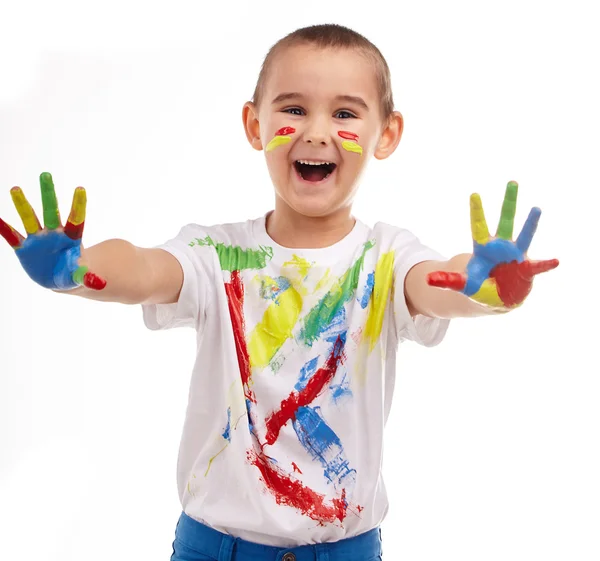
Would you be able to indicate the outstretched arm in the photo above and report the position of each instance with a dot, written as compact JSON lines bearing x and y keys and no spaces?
{"x":113,"y":271}
{"x":495,"y":278}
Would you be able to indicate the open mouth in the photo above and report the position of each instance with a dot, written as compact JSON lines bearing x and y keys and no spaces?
{"x":314,"y":171}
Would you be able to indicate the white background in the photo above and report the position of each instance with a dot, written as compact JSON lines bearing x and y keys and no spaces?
{"x":492,"y":447}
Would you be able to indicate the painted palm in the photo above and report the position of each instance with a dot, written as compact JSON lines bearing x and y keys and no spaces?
{"x":50,"y":255}
{"x":498,"y":274}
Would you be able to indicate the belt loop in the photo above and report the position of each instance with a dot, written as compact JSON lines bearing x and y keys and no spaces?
{"x":227,"y":547}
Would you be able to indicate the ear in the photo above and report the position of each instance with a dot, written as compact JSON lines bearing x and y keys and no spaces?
{"x":390,"y":137}
{"x":251,"y":125}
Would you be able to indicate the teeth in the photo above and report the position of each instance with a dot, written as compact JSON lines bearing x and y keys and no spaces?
{"x":306,"y":162}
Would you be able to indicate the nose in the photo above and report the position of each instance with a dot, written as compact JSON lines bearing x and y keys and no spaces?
{"x":316,"y":132}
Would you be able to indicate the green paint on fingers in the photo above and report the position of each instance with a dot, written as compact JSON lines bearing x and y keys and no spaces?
{"x":509,"y":208}
{"x":49,"y":202}
{"x":79,"y":274}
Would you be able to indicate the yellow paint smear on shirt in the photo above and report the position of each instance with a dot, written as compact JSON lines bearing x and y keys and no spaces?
{"x":381,"y":290}
{"x":274,"y":328}
{"x":300,"y":263}
{"x":352,"y":147}
{"x":277,"y":141}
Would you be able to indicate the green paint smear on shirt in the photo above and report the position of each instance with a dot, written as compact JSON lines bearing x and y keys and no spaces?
{"x":235,"y":258}
{"x":320,"y":317}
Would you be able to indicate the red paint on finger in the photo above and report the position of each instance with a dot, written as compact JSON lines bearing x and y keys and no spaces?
{"x":284,"y":131}
{"x":443,"y":279}
{"x":74,"y":232}
{"x":90,"y":280}
{"x":9,"y":234}
{"x":348,"y":135}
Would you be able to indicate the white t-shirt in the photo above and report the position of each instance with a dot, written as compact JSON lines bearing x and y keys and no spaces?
{"x":293,"y":379}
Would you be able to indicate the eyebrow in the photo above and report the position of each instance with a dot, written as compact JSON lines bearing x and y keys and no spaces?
{"x":349,"y":98}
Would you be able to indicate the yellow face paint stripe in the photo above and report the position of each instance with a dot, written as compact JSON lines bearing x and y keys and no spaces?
{"x":274,"y":328}
{"x":382,"y":286}
{"x":25,"y":210}
{"x":352,"y":147}
{"x":277,"y":141}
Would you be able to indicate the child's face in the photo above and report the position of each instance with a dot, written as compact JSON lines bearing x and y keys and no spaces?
{"x":323,"y":105}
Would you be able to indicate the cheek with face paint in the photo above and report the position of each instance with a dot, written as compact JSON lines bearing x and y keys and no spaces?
{"x":281,"y":137}
{"x":350,"y":144}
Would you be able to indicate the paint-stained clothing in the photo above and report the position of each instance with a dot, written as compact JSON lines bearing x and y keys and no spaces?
{"x":293,"y":380}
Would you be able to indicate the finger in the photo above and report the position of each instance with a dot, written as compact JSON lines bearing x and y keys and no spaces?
{"x":25,"y":210}
{"x":49,"y":202}
{"x":532,"y":268}
{"x":83,"y":276}
{"x":76,"y":222}
{"x":479,"y":228}
{"x":529,"y":228}
{"x":13,"y":237}
{"x":444,"y":279}
{"x":507,"y":216}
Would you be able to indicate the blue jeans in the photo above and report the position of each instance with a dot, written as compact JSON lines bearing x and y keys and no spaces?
{"x":196,"y":542}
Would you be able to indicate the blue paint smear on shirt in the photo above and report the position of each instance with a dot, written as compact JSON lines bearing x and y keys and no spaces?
{"x":323,"y":445}
{"x":368,"y":290}
{"x":227,"y":434}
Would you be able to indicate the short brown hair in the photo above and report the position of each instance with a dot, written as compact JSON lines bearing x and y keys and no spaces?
{"x":332,"y":36}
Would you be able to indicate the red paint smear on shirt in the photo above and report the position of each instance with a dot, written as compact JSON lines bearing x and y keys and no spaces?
{"x":348,"y":135}
{"x":314,"y":387}
{"x":293,"y":493}
{"x":235,"y":298}
{"x":74,"y":232}
{"x":283,"y":131}
{"x":9,"y":234}
{"x":296,"y":468}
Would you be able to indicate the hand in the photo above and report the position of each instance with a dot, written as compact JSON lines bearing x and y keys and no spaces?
{"x":50,"y":255}
{"x":498,"y":274}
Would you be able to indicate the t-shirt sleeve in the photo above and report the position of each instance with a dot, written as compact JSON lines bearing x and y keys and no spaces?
{"x":426,"y":331}
{"x":197,"y":264}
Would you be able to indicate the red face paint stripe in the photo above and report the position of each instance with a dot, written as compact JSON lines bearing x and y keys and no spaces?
{"x":348,"y":135}
{"x":293,"y":493}
{"x":235,"y":299}
{"x":10,"y":235}
{"x":284,"y":131}
{"x":74,"y":232}
{"x":312,"y":389}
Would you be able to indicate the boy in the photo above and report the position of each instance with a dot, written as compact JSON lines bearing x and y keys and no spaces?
{"x":298,"y":313}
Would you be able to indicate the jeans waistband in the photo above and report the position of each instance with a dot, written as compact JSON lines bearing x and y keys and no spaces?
{"x":223,"y":547}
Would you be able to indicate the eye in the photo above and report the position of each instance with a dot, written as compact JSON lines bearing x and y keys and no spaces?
{"x":342,"y":114}
{"x":293,"y":111}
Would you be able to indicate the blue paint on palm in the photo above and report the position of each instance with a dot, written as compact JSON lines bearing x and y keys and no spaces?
{"x":485,"y":258}
{"x":50,"y":258}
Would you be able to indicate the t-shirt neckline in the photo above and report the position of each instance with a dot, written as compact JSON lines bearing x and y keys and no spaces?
{"x":356,"y":236}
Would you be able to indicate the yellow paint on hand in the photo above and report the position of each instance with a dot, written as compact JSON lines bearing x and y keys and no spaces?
{"x":274,"y":328}
{"x":352,"y":147}
{"x":277,"y":141}
{"x":479,"y":228}
{"x":77,"y":215}
{"x":381,"y":290}
{"x":25,"y":210}
{"x":488,"y":294}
